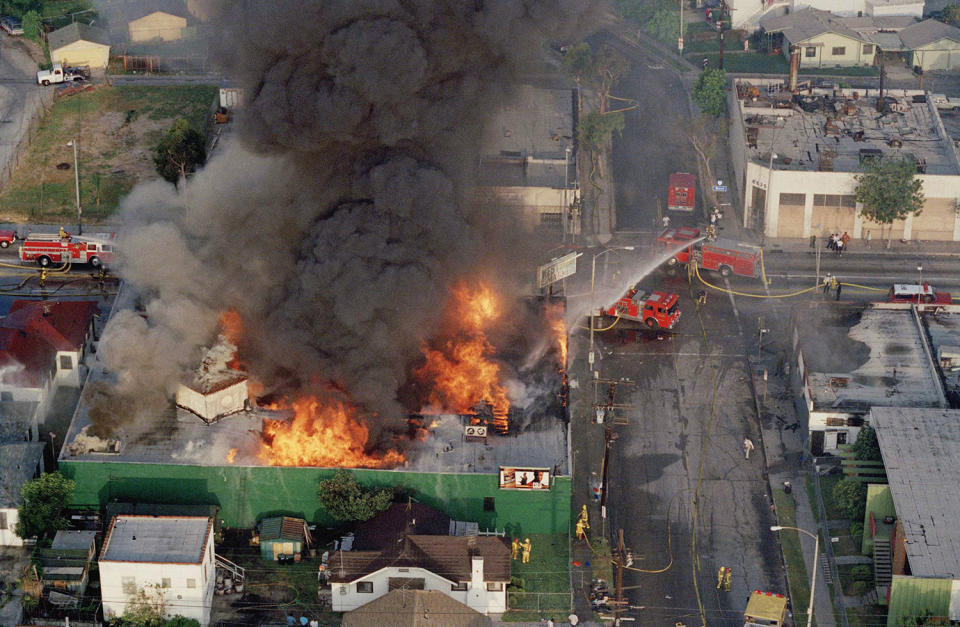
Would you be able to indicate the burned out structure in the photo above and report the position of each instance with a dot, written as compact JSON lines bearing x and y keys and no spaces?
{"x":857,"y":359}
{"x":796,"y":153}
{"x":449,"y":463}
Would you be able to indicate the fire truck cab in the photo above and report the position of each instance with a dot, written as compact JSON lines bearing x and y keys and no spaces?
{"x":656,"y":310}
{"x":913,"y":293}
{"x":765,"y":608}
{"x":682,"y":192}
{"x":48,"y":249}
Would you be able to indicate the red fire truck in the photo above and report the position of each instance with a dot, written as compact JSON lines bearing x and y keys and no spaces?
{"x":657,"y":310}
{"x":47,"y":249}
{"x":682,"y":194}
{"x":723,"y":255}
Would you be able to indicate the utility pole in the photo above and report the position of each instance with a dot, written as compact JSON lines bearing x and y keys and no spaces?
{"x":620,"y":559}
{"x":720,"y":24}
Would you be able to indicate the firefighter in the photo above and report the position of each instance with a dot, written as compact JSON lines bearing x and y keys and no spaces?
{"x":63,"y":233}
{"x":514,"y":548}
{"x":711,"y":232}
{"x":581,"y":534}
{"x":527,"y":547}
{"x":727,"y":577}
{"x":720,"y":573}
{"x":585,"y":517}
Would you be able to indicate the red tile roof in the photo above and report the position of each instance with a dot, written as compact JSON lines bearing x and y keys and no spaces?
{"x":33,"y":332}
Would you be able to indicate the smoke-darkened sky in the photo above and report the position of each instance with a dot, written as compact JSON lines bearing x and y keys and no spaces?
{"x":338,"y":215}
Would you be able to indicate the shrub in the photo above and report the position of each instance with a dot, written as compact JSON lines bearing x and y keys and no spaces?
{"x":856,"y":532}
{"x":850,"y":496}
{"x":860,"y":588}
{"x":861,"y":572}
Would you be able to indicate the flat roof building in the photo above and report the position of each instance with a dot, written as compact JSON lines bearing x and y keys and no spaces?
{"x":796,"y":158}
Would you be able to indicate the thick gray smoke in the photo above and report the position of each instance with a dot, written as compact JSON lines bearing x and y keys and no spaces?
{"x":337,"y":222}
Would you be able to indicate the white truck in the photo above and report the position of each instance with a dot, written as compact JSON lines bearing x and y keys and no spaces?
{"x":60,"y":74}
{"x":943,"y":102}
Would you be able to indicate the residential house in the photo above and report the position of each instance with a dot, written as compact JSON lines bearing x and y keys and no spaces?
{"x":912,"y":521}
{"x":824,"y":40}
{"x":415,"y":608}
{"x":65,"y":565}
{"x":42,"y":346}
{"x":283,"y":538}
{"x":157,"y":25}
{"x":932,"y":45}
{"x":21,"y":462}
{"x":168,"y":555}
{"x":80,"y":44}
{"x":388,"y":527}
{"x":472,"y":570}
{"x":747,"y":14}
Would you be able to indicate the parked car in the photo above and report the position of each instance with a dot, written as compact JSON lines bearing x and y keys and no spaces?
{"x":11,"y":25}
{"x":7,"y":237}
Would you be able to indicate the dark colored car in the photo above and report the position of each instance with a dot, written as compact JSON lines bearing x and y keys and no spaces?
{"x":11,"y":25}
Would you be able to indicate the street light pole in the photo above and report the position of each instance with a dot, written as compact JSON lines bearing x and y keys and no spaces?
{"x":76,"y":180}
{"x":816,"y":556}
{"x":593,"y":276}
{"x":566,"y":186}
{"x":920,"y":290}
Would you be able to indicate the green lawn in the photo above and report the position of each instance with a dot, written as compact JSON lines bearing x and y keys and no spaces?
{"x":118,"y":127}
{"x":841,"y":71}
{"x":750,"y":62}
{"x":793,"y":555}
{"x":546,"y":581}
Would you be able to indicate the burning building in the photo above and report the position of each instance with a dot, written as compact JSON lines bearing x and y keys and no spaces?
{"x":474,"y":456}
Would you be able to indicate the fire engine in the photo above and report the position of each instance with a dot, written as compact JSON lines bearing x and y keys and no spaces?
{"x":682,"y":193}
{"x":765,"y":608}
{"x":723,"y":255}
{"x":47,"y":249}
{"x":657,"y":310}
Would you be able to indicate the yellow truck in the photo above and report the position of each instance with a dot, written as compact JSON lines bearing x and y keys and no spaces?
{"x":765,"y":608}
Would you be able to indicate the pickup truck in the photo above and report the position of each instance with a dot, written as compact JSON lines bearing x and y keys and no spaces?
{"x":942,"y":102}
{"x":61,"y":74}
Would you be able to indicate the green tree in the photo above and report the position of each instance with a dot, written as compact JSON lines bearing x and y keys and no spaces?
{"x":22,"y":7}
{"x":850,"y":496}
{"x":951,"y":14}
{"x":596,"y":128}
{"x":180,"y":151}
{"x":889,"y":190}
{"x":710,"y":92}
{"x":866,"y":448}
{"x":924,"y":618}
{"x":344,"y":499}
{"x":44,"y":500}
{"x":32,"y":26}
{"x":665,"y":26}
{"x":597,"y":69}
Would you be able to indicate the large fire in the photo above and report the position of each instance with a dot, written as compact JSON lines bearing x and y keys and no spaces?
{"x":231,"y":327}
{"x":322,"y":433}
{"x":459,"y":371}
{"x":559,"y":328}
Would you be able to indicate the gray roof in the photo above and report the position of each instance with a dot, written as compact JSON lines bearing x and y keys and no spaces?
{"x":156,"y":539}
{"x":77,"y":32}
{"x":870,"y":24}
{"x":19,"y":461}
{"x":920,"y":448}
{"x":73,"y":540}
{"x":927,"y":32}
{"x":806,"y":24}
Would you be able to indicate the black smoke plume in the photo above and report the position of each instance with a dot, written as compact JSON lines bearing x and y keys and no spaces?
{"x":337,"y":219}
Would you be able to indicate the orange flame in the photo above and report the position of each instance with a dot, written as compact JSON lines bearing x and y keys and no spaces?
{"x":459,"y":372}
{"x":326,"y":434}
{"x":231,"y":327}
{"x":231,"y":455}
{"x":559,"y":328}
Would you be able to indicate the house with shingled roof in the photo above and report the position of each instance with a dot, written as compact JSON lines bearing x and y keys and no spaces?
{"x":474,"y":570}
{"x":415,"y":608}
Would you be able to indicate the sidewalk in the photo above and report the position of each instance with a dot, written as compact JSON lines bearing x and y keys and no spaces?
{"x":861,"y":248}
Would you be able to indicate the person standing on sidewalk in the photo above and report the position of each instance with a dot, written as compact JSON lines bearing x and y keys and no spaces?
{"x":845,"y":238}
{"x":747,"y":447}
{"x":839,"y":246}
{"x":839,"y":287}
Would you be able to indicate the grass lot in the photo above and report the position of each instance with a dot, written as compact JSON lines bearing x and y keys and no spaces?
{"x":793,"y":555}
{"x":731,"y":39}
{"x":118,"y":127}
{"x":749,"y":62}
{"x":868,"y":616}
{"x":547,"y":581}
{"x":841,"y":71}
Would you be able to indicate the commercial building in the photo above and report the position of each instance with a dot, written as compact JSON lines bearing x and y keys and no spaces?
{"x":528,"y":158}
{"x":796,"y":159}
{"x":914,"y":523}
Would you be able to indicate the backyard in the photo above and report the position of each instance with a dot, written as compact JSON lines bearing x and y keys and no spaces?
{"x":545,"y":579}
{"x":117,"y":128}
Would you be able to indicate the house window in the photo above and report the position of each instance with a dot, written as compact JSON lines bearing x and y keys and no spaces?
{"x":128,"y":585}
{"x":495,"y":586}
{"x":165,"y":582}
{"x":459,"y":587}
{"x":191,"y":583}
{"x":797,"y":200}
{"x":489,"y":504}
{"x":841,"y":438}
{"x":867,"y":48}
{"x":838,"y":51}
{"x":365,"y":587}
{"x":551,"y":219}
{"x":66,"y":362}
{"x":3,"y":520}
{"x":811,"y":51}
{"x":6,"y":396}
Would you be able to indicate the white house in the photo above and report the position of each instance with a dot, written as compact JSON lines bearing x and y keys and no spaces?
{"x":21,"y":462}
{"x":472,"y":570}
{"x":747,"y":14}
{"x":171,"y":556}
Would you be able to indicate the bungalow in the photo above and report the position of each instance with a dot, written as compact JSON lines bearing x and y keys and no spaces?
{"x":932,"y":45}
{"x":157,"y":25}
{"x":415,"y":608}
{"x":824,"y":40}
{"x":80,"y":44}
{"x":473,"y":570}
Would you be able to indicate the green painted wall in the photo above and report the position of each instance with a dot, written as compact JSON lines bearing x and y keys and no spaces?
{"x":912,"y":596}
{"x":880,"y":502}
{"x":245,"y":494}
